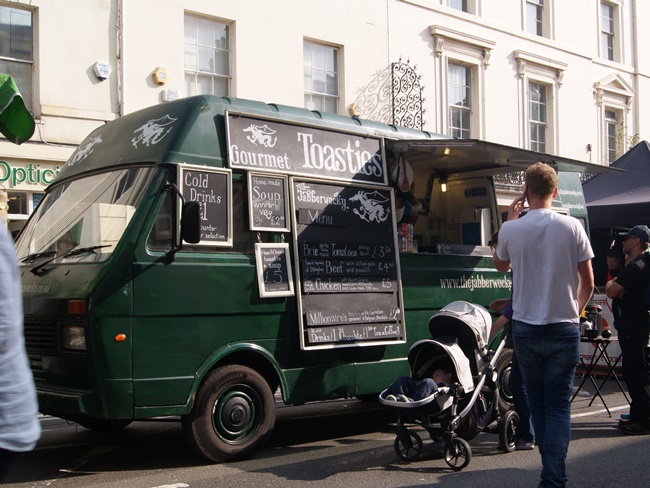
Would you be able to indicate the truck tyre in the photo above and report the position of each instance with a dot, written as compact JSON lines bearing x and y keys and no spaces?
{"x":233,"y":414}
{"x":502,"y":367}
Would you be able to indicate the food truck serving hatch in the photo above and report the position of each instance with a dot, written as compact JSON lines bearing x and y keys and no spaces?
{"x":472,"y":157}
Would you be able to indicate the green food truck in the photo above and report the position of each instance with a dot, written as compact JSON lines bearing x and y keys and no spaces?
{"x":196,"y":258}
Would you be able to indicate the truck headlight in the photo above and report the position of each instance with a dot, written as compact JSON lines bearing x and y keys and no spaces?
{"x":74,"y":337}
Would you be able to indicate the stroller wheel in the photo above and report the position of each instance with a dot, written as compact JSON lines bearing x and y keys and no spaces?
{"x":508,"y":427}
{"x":408,"y":446}
{"x":458,"y":454}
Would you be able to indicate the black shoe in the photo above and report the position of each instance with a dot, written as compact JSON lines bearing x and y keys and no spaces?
{"x":635,"y":429}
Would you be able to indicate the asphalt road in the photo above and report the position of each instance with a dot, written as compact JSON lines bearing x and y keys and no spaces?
{"x":338,"y":443}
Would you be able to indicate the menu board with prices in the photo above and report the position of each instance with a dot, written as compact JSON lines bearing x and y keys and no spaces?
{"x":347,"y":261}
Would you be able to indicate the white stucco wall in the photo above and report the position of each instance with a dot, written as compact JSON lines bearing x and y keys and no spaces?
{"x":267,"y":60}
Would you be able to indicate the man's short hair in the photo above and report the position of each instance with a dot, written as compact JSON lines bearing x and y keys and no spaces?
{"x":541,"y":180}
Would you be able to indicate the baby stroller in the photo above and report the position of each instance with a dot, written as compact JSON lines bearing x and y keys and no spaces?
{"x":469,"y":404}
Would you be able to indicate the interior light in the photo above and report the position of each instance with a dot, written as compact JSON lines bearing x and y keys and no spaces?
{"x":443,"y":185}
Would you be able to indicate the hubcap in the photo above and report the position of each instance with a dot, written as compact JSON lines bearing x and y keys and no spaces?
{"x":235,"y":414}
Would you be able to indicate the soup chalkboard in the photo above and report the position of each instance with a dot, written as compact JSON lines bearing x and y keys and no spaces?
{"x":212,"y":189}
{"x":273,"y":269}
{"x":267,"y":202}
{"x":346,"y":257}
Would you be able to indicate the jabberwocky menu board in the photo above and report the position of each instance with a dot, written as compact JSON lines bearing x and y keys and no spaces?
{"x":346,"y":257}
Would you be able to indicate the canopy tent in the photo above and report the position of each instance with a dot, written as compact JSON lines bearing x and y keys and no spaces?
{"x":16,"y":123}
{"x":621,"y":199}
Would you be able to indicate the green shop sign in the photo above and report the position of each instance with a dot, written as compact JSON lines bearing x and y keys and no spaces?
{"x":31,"y":174}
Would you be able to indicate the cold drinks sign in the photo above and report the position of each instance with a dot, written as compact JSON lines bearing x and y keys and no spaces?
{"x":212,"y":189}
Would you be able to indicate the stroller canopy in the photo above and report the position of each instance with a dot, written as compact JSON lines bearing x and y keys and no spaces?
{"x":469,"y":325}
{"x":469,"y":322}
{"x":426,"y":355}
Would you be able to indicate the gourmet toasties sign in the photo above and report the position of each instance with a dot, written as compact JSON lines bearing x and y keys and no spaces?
{"x":269,"y":145}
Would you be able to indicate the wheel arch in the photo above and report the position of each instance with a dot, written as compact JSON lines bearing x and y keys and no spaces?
{"x":245,"y":354}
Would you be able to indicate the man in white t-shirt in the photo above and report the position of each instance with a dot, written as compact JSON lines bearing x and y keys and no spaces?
{"x":547,"y":251}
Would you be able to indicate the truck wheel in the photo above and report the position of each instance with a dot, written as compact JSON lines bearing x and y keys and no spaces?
{"x":502,"y":367}
{"x":233,"y":414}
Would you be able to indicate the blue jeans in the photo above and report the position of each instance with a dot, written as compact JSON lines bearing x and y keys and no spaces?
{"x":520,"y":401}
{"x":548,"y":355}
{"x":415,"y":390}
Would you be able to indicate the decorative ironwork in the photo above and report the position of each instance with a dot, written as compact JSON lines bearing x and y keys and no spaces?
{"x":515,"y":181}
{"x":510,"y":181}
{"x":408,"y":110}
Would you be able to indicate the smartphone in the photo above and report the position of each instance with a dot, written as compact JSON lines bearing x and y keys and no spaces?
{"x":523,"y":197}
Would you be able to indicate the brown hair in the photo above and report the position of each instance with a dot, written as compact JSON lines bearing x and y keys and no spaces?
{"x":541,"y":180}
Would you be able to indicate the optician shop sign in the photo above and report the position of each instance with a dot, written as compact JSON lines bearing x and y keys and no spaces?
{"x":28,"y":174}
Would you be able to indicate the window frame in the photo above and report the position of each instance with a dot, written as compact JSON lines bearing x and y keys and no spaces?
{"x":464,"y":7}
{"x":25,"y":86}
{"x":539,"y":8}
{"x":462,"y":109}
{"x":613,"y":93}
{"x":611,"y":140}
{"x":460,"y":48}
{"x":312,"y":94}
{"x":196,"y":72}
{"x":538,"y":125}
{"x":540,"y":70}
{"x":614,"y":35}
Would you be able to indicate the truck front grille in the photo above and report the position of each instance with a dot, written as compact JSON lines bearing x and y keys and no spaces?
{"x":40,"y":336}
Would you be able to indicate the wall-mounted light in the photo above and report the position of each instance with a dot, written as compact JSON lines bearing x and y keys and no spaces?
{"x":443,"y":185}
{"x":446,"y":151}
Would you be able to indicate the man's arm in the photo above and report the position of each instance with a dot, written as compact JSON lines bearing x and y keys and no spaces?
{"x":585,"y":283}
{"x":500,"y":265}
{"x":613,"y":289}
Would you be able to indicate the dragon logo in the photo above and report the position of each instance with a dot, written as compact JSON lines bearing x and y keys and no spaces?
{"x":153,"y":131}
{"x":372,"y":206}
{"x":261,"y":135}
{"x":83,"y":151}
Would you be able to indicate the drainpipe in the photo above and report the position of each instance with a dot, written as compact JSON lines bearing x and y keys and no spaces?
{"x":119,"y":47}
{"x":635,"y":47}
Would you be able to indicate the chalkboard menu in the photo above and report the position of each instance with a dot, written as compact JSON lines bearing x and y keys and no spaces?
{"x":268,"y":203}
{"x":345,"y":253}
{"x":212,"y":188}
{"x":273,"y":270}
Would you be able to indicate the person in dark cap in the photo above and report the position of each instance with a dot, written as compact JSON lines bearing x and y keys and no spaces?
{"x":632,"y":322}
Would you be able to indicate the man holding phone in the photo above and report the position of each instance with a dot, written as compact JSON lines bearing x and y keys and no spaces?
{"x":546,"y":251}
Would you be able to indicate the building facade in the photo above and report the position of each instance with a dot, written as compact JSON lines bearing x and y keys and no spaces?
{"x":557,"y":77}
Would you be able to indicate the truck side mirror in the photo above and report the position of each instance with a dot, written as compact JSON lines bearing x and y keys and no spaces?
{"x":191,"y":222}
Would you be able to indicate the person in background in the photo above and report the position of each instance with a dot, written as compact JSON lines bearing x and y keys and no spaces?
{"x":614,"y":264}
{"x":632,"y":322}
{"x":547,"y":251}
{"x":526,"y":431}
{"x":401,"y":178}
{"x":19,"y":425}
